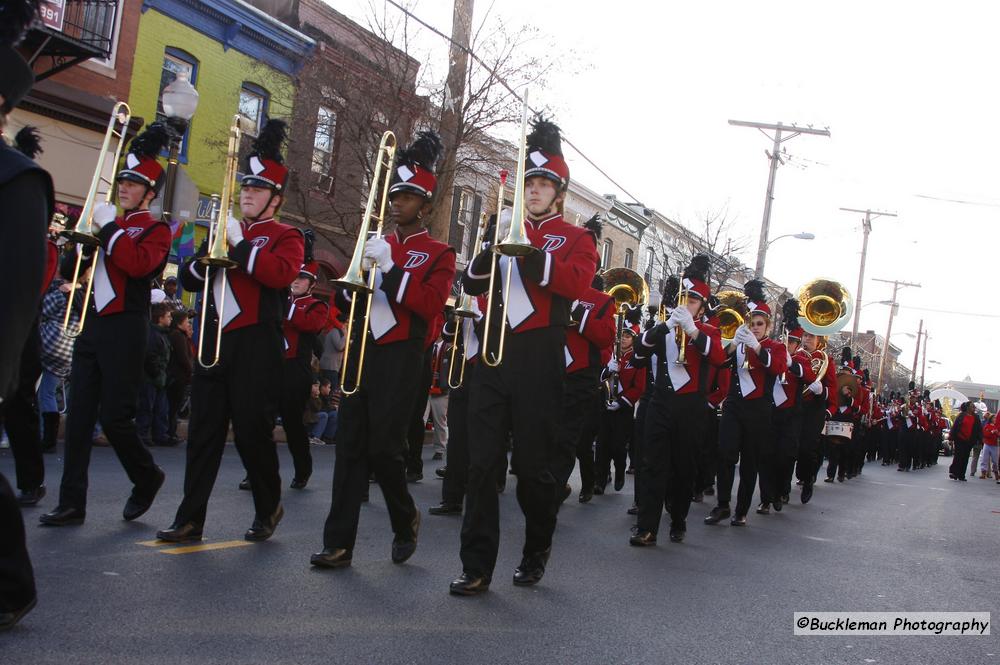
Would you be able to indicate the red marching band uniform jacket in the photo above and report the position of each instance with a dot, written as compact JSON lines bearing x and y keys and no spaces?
{"x":306,"y":317}
{"x":719,"y":379}
{"x":765,"y":366}
{"x":587,"y":343}
{"x":545,"y":283}
{"x":51,"y":263}
{"x":631,"y":380}
{"x":268,"y":258}
{"x":700,"y":356}
{"x":799,"y":373}
{"x":829,"y":381}
{"x":409,"y":298}
{"x":133,"y":250}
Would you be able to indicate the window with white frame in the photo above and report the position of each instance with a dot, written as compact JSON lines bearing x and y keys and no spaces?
{"x":253,"y":106}
{"x":628,"y":258}
{"x":323,"y":140}
{"x":649,"y":265}
{"x":606,"y":254}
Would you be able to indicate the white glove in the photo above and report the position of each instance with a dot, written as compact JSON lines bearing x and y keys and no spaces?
{"x":685,"y":320}
{"x":104,"y":214}
{"x":378,"y":251}
{"x":753,"y":342}
{"x":234,"y":231}
{"x":816,"y":387}
{"x":741,"y":335}
{"x":613,"y":365}
{"x":613,"y":406}
{"x":505,"y":216}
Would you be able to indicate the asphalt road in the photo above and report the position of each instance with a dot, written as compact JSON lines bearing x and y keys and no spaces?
{"x":886,"y":541}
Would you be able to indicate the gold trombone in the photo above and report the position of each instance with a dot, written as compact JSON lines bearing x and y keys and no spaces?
{"x":218,"y":254}
{"x":515,"y":244}
{"x":83,"y":232}
{"x":682,"y":300}
{"x":465,"y":307}
{"x":353,"y":278}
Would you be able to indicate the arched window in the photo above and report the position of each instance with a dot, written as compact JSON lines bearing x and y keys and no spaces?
{"x":628,"y":258}
{"x":606,"y":254}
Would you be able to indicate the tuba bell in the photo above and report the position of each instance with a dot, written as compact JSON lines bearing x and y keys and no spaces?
{"x":629,"y":289}
{"x":825,"y":306}
{"x":732,"y":313}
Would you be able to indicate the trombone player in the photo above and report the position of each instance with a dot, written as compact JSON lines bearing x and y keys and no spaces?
{"x":242,"y":384}
{"x":412,"y":275}
{"x":108,"y":355}
{"x":522,"y":394}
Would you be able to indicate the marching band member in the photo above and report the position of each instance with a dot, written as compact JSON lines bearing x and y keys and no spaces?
{"x":839,"y":458}
{"x":523,"y":394}
{"x":618,"y":414}
{"x":819,"y":401}
{"x":244,"y":386}
{"x":108,"y":356}
{"x":586,"y":345}
{"x":787,"y":421}
{"x":675,"y":417}
{"x":708,"y":453}
{"x":304,"y":318}
{"x":745,"y":429}
{"x":413,"y":279}
{"x":654,"y":366}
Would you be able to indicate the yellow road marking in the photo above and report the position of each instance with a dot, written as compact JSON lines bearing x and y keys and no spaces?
{"x":152,"y":543}
{"x":206,"y":547}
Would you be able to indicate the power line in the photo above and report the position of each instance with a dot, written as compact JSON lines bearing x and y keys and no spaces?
{"x":503,"y":82}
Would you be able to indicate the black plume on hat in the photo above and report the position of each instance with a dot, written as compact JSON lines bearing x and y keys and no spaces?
{"x":670,"y":288}
{"x":868,"y":378}
{"x":754,"y":290}
{"x":937,"y":404}
{"x":911,"y":386}
{"x":594,"y":225}
{"x":270,"y":140}
{"x":15,"y":19}
{"x":309,"y":239}
{"x":544,"y":135}
{"x":790,"y":313}
{"x":424,"y":151}
{"x":845,"y":355}
{"x":927,"y":394}
{"x":698,"y":268}
{"x":28,"y":141}
{"x":857,"y":363}
{"x":633,"y":314}
{"x":151,"y":142}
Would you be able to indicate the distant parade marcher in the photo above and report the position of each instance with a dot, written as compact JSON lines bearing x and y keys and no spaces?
{"x":965,"y":433}
{"x":819,"y":401}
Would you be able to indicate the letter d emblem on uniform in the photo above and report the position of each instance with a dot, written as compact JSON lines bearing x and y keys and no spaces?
{"x":415,"y":260}
{"x":552,"y":243}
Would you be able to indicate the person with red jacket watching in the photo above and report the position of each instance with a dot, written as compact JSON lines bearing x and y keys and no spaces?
{"x":244,"y":386}
{"x":628,"y":381}
{"x":675,"y":419}
{"x":989,"y":460}
{"x":745,"y":430}
{"x":108,"y":357}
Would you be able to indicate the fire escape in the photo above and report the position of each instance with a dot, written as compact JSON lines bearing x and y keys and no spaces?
{"x":87,"y":31}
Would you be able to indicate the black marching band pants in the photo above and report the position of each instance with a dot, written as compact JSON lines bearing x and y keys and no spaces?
{"x":581,"y":409}
{"x":371,"y":438}
{"x":416,"y":429}
{"x":17,"y":579}
{"x":745,"y":437}
{"x":242,"y":388}
{"x":107,"y":366}
{"x":708,"y":453}
{"x":20,"y":418}
{"x":456,"y":476}
{"x":787,"y":432}
{"x":674,"y":430}
{"x":810,"y":441}
{"x":522,"y":396}
{"x":639,"y":442}
{"x":613,"y":439}
{"x":296,"y":384}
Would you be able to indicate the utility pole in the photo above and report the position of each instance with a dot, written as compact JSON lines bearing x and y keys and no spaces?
{"x":916,"y":352}
{"x":923,"y":368}
{"x":888,"y":333}
{"x":774,"y":157}
{"x":864,"y":254}
{"x":452,"y":117}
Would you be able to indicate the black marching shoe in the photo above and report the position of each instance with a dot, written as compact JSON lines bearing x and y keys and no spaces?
{"x":264,"y":529}
{"x":414,"y":477}
{"x":807,"y":493}
{"x":698,"y":497}
{"x":717,"y":515}
{"x":9,"y":619}
{"x":469,"y":585}
{"x":764,"y":508}
{"x":586,"y":495}
{"x":828,"y":479}
{"x":335,"y":557}
{"x":403,"y":549}
{"x":738,"y":520}
{"x":63,"y":516}
{"x":841,"y":479}
{"x":181,"y":533}
{"x":140,"y":501}
{"x":677,"y":534}
{"x":785,"y":498}
{"x":30,"y":497}
{"x":531,"y":569}
{"x":298,"y":484}
{"x":642,"y":538}
{"x":633,"y":510}
{"x":436,"y":457}
{"x":619,"y":479}
{"x":598,"y":490}
{"x":440,"y":472}
{"x":245,"y":484}
{"x":446,"y":508}
{"x":776,"y":505}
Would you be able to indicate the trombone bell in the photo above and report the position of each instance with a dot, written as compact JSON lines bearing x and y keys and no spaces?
{"x":517,"y":242}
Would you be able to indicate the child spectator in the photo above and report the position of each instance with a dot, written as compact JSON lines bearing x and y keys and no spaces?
{"x":179,"y":369}
{"x":151,"y":416}
{"x":326,"y":424}
{"x":989,"y":460}
{"x":314,"y":407}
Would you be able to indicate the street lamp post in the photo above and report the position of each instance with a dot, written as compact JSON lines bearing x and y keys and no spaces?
{"x":180,"y":101}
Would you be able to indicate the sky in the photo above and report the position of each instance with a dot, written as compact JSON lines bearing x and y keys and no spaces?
{"x":908,"y":91}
